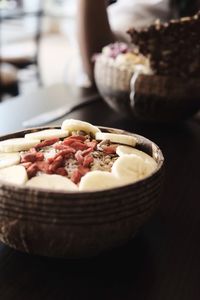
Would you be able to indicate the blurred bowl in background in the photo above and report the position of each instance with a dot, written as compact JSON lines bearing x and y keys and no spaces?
{"x":147,"y":97}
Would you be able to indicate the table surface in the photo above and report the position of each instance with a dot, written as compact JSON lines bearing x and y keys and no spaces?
{"x":161,"y":262}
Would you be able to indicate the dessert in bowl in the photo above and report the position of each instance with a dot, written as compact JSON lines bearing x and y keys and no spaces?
{"x":77,"y":190}
{"x":162,"y":83}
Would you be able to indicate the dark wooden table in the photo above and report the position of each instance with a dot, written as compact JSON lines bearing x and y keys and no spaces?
{"x":161,"y":263}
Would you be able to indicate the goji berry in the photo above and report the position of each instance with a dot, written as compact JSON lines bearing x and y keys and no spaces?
{"x":87,"y":160}
{"x":110,"y":149}
{"x":43,"y":166}
{"x":86,"y":151}
{"x":32,"y":170}
{"x":61,"y":171}
{"x":75,"y":138}
{"x":76,"y":176}
{"x":83,"y":170}
{"x":47,"y":143}
{"x":65,"y":148}
{"x":29,"y":157}
{"x":79,"y":146}
{"x":58,"y":162}
{"x":39,"y":156}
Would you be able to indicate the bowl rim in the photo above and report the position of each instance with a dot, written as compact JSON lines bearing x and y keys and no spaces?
{"x":39,"y":191}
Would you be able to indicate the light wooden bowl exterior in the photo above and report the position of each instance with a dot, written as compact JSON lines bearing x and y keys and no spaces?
{"x":75,"y":225}
{"x":156,"y":98}
{"x":114,"y":85}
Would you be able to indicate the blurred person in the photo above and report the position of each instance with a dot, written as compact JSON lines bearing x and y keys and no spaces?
{"x":100,"y":24}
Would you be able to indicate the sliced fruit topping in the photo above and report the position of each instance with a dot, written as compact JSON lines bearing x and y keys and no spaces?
{"x":9,"y":159}
{"x":116,"y":138}
{"x":77,"y":157}
{"x":121,"y":150}
{"x":47,"y":134}
{"x":14,"y":174}
{"x":97,"y":180}
{"x":77,"y":125}
{"x":129,"y":168}
{"x":17,"y":144}
{"x":53,"y":182}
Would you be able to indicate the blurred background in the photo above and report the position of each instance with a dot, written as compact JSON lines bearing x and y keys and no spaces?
{"x":38,"y":44}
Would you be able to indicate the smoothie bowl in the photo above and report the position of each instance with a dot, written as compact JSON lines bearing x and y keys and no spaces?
{"x":78,"y":190}
{"x":157,"y":78}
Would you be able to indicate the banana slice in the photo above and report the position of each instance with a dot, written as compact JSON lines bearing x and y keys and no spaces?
{"x":14,"y":174}
{"x":121,"y":150}
{"x":72,"y":125}
{"x":17,"y":144}
{"x":98,"y":180}
{"x":53,"y":182}
{"x":129,"y":168}
{"x":47,"y":134}
{"x":9,"y":159}
{"x":116,"y":138}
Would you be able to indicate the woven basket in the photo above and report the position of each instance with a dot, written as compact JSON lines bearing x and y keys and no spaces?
{"x":74,"y":225}
{"x":154,"y":98}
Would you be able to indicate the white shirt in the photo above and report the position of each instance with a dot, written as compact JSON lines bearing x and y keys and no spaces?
{"x":122,"y":15}
{"x":136,"y":13}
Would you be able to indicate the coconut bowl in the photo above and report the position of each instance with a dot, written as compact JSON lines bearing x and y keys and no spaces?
{"x":151,"y":98}
{"x":78,"y":224}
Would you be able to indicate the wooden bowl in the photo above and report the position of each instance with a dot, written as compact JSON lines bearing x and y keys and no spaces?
{"x":78,"y":224}
{"x":153,"y":98}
